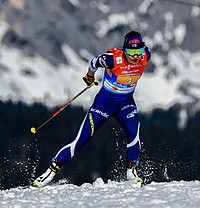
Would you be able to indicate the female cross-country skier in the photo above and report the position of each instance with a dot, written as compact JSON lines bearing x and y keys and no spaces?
{"x":123,"y":69}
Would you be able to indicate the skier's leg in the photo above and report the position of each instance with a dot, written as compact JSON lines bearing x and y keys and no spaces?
{"x":128,"y":118}
{"x":92,"y":122}
{"x":89,"y":126}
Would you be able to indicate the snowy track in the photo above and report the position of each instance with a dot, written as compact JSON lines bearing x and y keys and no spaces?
{"x":102,"y":195}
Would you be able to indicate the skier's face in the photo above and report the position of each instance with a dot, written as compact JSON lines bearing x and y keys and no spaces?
{"x":134,"y":56}
{"x":133,"y":59}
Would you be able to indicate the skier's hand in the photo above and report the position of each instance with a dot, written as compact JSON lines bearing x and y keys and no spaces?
{"x":89,"y":80}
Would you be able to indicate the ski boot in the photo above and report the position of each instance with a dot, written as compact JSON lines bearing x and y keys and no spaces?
{"x":48,"y":176}
{"x":131,"y":172}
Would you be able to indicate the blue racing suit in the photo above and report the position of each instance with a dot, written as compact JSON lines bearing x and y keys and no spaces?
{"x":115,"y":99}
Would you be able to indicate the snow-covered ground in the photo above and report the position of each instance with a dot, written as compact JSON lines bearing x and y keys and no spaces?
{"x":102,"y":195}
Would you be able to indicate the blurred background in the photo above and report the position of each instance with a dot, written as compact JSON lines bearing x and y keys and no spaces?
{"x":45,"y":49}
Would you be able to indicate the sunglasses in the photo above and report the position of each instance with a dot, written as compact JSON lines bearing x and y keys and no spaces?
{"x":132,"y":52}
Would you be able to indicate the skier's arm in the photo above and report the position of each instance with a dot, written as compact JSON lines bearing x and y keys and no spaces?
{"x":104,"y":60}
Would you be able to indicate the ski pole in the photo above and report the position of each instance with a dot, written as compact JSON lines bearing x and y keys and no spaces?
{"x":34,"y":130}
